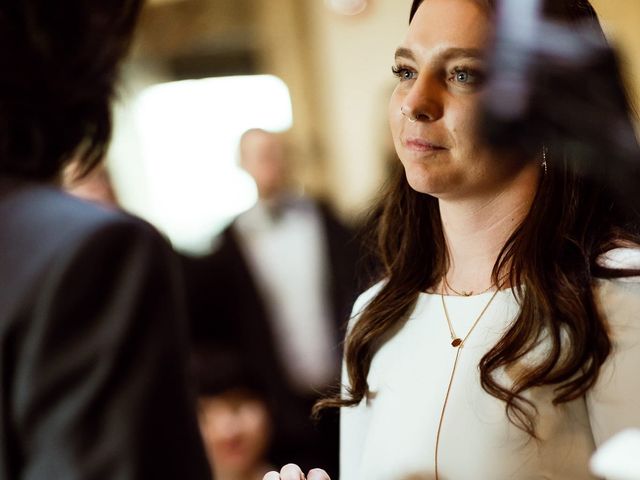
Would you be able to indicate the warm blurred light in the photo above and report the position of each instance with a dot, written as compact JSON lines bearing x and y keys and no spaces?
{"x":162,"y":2}
{"x":347,"y":7}
{"x":189,"y":132}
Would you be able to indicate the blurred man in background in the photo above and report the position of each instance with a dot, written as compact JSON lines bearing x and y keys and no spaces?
{"x":92,"y":341}
{"x":280,"y":287}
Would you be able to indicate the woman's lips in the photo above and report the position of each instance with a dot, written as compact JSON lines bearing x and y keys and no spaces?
{"x":421,"y":145}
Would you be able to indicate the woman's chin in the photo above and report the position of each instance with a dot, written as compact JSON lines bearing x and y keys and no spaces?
{"x":422,"y":182}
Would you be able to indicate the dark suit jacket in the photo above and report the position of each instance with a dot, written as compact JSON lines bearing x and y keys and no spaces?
{"x":92,"y":349}
{"x":227,"y":307}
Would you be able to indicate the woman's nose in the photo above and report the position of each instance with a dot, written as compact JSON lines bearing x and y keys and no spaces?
{"x":424,"y":100}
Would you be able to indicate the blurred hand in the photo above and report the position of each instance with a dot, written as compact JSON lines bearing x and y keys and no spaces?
{"x":293,"y":472}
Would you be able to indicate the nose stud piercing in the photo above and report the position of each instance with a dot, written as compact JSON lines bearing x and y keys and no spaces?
{"x":409,"y":117}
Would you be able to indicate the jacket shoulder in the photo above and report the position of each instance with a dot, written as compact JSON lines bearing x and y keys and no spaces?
{"x":45,"y":217}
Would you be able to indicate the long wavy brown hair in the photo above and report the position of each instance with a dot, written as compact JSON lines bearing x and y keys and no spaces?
{"x":552,"y":258}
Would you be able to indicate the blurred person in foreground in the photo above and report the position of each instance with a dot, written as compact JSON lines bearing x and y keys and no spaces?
{"x":279,"y":286}
{"x":503,"y":340}
{"x":92,"y":347}
{"x":235,"y":415}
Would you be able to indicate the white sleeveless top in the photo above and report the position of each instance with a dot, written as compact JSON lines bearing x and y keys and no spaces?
{"x":392,"y":435}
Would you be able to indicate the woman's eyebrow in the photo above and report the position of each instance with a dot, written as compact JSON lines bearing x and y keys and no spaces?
{"x":462,"y":53}
{"x":404,"y":53}
{"x":445,"y":54}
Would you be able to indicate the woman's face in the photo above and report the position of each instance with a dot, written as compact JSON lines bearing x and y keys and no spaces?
{"x":440,"y":67}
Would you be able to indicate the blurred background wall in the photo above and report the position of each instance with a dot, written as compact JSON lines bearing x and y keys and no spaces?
{"x":621,"y":20}
{"x":336,"y":70}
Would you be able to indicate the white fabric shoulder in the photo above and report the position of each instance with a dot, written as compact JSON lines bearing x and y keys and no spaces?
{"x":612,"y":402}
{"x":621,"y":258}
{"x":362,"y":301}
{"x":354,"y":421}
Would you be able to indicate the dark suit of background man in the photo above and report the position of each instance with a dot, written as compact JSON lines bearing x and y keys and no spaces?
{"x":92,"y":365}
{"x":279,"y":288}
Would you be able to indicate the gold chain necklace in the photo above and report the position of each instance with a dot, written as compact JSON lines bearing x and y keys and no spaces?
{"x":465,"y":293}
{"x":457,"y":343}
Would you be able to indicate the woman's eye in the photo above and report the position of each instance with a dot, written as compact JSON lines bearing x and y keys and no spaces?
{"x":462,"y":77}
{"x":466,"y":76}
{"x":403,"y":73}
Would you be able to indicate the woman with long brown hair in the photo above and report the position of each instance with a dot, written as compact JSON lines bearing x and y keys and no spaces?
{"x":502,"y":340}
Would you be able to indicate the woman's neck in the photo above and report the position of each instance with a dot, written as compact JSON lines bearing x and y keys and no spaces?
{"x":476,"y":229}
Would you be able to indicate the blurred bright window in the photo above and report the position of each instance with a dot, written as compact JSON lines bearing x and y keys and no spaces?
{"x":188,"y":134}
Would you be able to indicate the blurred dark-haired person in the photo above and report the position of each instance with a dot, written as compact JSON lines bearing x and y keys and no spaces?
{"x":235,"y":415}
{"x":92,"y":349}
